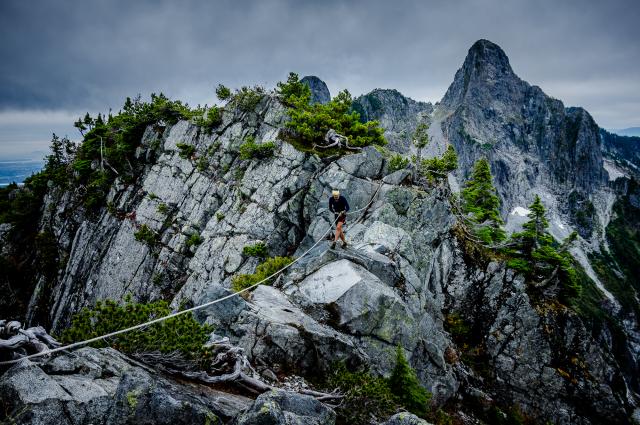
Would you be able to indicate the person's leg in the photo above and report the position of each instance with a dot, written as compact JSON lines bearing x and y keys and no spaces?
{"x":337,"y":235}
{"x":344,"y":241}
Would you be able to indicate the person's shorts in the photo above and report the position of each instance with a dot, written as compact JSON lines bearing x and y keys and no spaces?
{"x":341,"y":219}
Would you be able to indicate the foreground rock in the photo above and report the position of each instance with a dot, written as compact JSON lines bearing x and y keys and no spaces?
{"x":101,"y":386}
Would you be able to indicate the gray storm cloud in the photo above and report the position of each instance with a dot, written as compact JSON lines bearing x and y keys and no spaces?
{"x":90,"y":55}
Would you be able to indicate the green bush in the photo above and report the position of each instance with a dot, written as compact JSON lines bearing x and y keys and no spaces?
{"x":97,"y":190}
{"x":181,"y":333}
{"x":457,"y":327}
{"x":293,"y":89}
{"x":311,"y":122}
{"x":219,"y":216}
{"x":371,"y":399}
{"x":437,"y":168}
{"x":397,"y":162}
{"x":146,"y":235}
{"x":250,"y":149}
{"x":186,"y":150}
{"x":202,"y":164}
{"x":246,"y":99}
{"x":259,"y":249}
{"x":212,"y":119}
{"x":367,"y":398}
{"x":193,"y":240}
{"x":406,"y":387}
{"x":269,"y":267}
{"x":162,"y":208}
{"x":223,"y":93}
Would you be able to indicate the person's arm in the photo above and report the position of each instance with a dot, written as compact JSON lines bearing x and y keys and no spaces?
{"x":331,"y":205}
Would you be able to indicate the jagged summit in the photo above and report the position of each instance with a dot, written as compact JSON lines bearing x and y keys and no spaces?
{"x":486,"y":66}
{"x":484,"y":53}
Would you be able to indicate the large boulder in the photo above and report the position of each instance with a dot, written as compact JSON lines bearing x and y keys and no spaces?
{"x":365,"y":164}
{"x":283,"y":407}
{"x":355,"y":301}
{"x":275,"y":329}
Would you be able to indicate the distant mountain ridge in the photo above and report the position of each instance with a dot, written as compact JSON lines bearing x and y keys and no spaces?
{"x":17,"y":170}
{"x":631,"y":131}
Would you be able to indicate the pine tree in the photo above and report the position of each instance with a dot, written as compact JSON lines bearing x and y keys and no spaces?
{"x":88,"y":121}
{"x":222,"y":92}
{"x":293,"y":89}
{"x":481,"y":201}
{"x":128,"y":106}
{"x":534,"y":234}
{"x":405,"y":385}
{"x":541,"y":259}
{"x":80,"y":126}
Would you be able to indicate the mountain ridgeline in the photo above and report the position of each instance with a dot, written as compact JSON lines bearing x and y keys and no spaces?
{"x":489,"y":277}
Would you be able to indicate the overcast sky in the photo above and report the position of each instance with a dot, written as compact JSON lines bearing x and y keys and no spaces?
{"x":62,"y":58}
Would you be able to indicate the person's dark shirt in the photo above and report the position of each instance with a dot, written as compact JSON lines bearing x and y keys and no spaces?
{"x":338,"y":205}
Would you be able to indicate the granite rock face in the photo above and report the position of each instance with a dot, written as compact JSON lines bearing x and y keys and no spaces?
{"x":540,"y":354}
{"x":622,"y":155}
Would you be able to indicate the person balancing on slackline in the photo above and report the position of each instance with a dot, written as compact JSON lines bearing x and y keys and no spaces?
{"x":339,"y":206}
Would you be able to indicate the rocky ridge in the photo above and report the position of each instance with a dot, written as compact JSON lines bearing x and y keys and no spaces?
{"x":403,"y":281}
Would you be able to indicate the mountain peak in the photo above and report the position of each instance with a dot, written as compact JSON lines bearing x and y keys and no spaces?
{"x":487,"y":56}
{"x":485,"y":65}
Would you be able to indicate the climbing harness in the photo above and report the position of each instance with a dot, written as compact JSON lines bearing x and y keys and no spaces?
{"x":178,"y":313}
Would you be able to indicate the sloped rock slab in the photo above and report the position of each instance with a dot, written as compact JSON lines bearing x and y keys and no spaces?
{"x":275,"y":330}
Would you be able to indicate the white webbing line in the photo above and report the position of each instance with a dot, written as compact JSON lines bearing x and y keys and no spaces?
{"x":178,"y":313}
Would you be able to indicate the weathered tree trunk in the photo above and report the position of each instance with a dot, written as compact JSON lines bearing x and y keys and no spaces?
{"x":16,"y":342}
